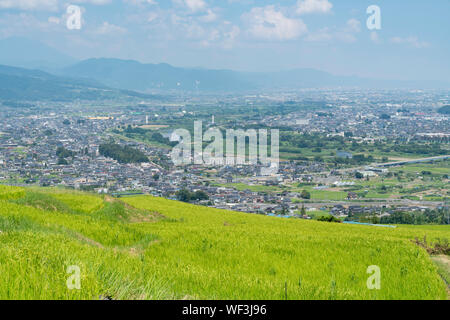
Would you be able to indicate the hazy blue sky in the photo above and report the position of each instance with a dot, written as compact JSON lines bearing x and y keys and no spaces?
{"x":330,"y":35}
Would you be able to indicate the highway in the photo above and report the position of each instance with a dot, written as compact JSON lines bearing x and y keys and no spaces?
{"x":400,"y":163}
{"x":387,"y":164}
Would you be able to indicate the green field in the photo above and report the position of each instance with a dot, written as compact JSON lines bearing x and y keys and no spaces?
{"x":326,"y":194}
{"x":316,"y":214}
{"x":152,"y":248}
{"x":253,"y":188}
{"x":403,"y":182}
{"x":437,"y":168}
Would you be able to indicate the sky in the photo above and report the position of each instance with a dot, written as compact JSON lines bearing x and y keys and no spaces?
{"x":411,"y":43}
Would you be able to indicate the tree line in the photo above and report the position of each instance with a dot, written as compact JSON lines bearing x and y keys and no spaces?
{"x":122,"y":154}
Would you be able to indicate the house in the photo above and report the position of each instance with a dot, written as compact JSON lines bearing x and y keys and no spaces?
{"x":344,"y":154}
{"x":337,"y":210}
{"x":355,"y":209}
{"x":352,"y":195}
{"x":368,"y":174}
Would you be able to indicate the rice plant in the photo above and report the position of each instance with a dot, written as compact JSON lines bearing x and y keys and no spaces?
{"x":153,"y":248}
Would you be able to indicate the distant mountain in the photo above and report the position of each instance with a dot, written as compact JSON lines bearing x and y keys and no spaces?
{"x":30,"y":85}
{"x":132,"y":75}
{"x":444,"y":110}
{"x":28,"y":53}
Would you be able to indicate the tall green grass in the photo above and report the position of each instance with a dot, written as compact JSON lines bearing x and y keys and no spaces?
{"x":152,"y":248}
{"x":221,"y":254}
{"x":8,"y":192}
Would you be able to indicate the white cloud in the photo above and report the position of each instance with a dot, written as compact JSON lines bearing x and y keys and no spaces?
{"x":224,"y":36}
{"x":353,"y":25}
{"x":269,"y":24}
{"x":193,"y":29}
{"x":230,"y":36}
{"x":413,"y":41}
{"x":375,"y":37}
{"x":322,"y":35}
{"x":141,"y":2}
{"x":108,"y":28}
{"x":195,"y":5}
{"x":345,"y":37}
{"x":24,"y":24}
{"x":55,"y":20}
{"x":43,"y":5}
{"x":209,"y":17}
{"x":95,"y":2}
{"x":152,"y":16}
{"x":313,"y":6}
{"x":192,"y":5}
{"x":346,"y":33}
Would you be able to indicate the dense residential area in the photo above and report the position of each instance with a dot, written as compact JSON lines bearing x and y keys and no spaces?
{"x":350,"y":161}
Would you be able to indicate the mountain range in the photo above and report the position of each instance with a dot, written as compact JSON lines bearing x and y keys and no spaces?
{"x":30,"y":85}
{"x":132,"y":75}
{"x":63,"y":77}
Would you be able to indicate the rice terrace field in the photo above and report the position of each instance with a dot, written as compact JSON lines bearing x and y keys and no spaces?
{"x":152,"y":248}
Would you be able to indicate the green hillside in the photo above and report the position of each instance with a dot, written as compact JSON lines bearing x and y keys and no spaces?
{"x":152,"y":248}
{"x":30,"y":85}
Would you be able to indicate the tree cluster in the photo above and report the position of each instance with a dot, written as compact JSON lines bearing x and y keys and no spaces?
{"x":122,"y":154}
{"x":187,"y":196}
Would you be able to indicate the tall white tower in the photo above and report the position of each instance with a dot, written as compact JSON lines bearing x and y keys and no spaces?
{"x":212,"y":120}
{"x":146,"y":119}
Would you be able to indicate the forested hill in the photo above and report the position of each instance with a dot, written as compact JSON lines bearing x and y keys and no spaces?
{"x":444,"y":110}
{"x":31,"y":85}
